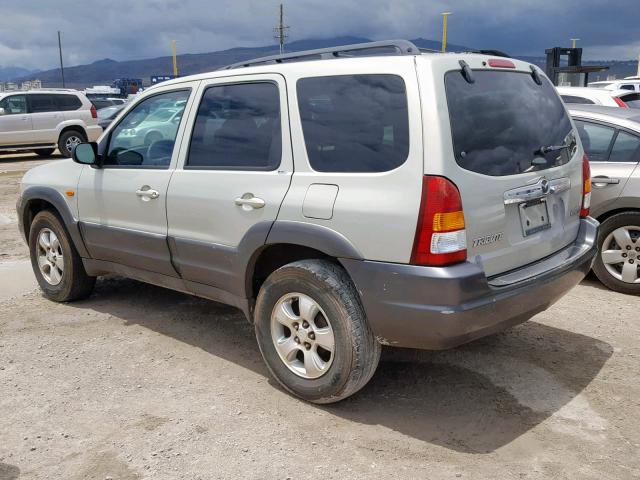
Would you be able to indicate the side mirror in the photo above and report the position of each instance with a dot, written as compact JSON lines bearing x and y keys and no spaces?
{"x":86,"y":153}
{"x":2,"y":112}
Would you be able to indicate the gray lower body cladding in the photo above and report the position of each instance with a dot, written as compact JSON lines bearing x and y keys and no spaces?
{"x":442,"y":307}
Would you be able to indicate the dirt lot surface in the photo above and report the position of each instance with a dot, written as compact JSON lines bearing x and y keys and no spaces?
{"x":142,"y":382}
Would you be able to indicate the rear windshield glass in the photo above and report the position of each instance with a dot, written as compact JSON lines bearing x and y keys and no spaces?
{"x":502,"y":122}
{"x":632,"y":100}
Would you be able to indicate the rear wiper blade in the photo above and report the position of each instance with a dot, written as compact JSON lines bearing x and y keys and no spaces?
{"x":550,"y":148}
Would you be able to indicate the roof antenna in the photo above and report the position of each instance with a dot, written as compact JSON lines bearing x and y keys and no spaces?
{"x":281,"y":30}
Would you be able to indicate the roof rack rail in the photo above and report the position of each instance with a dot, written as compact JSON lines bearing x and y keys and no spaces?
{"x":55,"y":89}
{"x":397,"y":47}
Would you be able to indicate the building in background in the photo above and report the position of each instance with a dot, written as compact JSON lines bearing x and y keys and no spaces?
{"x":31,"y":84}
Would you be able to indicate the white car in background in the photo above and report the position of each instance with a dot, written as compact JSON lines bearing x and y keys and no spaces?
{"x":626,"y":84}
{"x":600,"y":96}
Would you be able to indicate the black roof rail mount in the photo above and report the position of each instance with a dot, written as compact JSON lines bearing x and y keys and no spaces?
{"x":394,"y":47}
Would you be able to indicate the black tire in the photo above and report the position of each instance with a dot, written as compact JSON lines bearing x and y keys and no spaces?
{"x":44,"y":152}
{"x":356,"y":353}
{"x":626,"y":219}
{"x":75,"y":284}
{"x":65,"y":137}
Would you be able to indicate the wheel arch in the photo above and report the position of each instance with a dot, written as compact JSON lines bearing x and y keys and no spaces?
{"x":610,"y":213}
{"x":36,"y":199}
{"x":290,"y":241}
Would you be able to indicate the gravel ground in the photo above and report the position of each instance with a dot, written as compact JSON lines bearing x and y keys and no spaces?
{"x":142,"y":382}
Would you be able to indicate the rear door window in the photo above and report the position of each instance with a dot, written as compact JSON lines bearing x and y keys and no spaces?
{"x":596,"y":139}
{"x":41,"y":102}
{"x":626,"y":148}
{"x":501,"y":121}
{"x":354,"y":123}
{"x":237,"y":127}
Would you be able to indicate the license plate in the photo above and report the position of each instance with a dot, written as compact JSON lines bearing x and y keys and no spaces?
{"x":534,"y":216}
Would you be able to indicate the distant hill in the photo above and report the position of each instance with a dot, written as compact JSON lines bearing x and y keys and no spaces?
{"x":104,"y":71}
{"x":9,"y":72}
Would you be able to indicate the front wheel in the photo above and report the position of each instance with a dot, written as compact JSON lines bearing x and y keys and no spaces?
{"x":55,"y":261}
{"x":617,"y":265}
{"x":313,"y":333}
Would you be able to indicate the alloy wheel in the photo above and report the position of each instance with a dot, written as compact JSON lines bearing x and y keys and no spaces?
{"x":302,"y":335}
{"x":50,"y":257}
{"x":620,"y":254}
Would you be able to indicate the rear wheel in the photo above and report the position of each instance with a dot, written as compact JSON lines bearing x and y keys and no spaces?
{"x":69,"y":140}
{"x":44,"y":152}
{"x":617,"y":264}
{"x":313,"y":333}
{"x":55,"y":261}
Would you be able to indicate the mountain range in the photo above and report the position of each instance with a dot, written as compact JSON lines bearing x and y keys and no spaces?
{"x":104,"y":71}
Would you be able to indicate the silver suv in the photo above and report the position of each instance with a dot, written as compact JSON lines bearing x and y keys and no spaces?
{"x":343,"y":199}
{"x":43,"y":120}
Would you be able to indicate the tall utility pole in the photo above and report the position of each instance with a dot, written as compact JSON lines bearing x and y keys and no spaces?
{"x":281,"y":31}
{"x":175,"y":60}
{"x":573,"y":42}
{"x":445,"y":17}
{"x":61,"y":64}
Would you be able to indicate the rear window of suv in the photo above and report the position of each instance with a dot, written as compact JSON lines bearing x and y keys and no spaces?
{"x":354,"y":123}
{"x":500,"y":122}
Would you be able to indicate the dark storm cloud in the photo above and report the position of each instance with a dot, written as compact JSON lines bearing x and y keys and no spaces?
{"x":128,"y":29}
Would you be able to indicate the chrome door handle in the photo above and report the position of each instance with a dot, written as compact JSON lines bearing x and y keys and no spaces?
{"x":600,"y":182}
{"x":147,"y":193}
{"x":248,"y":201}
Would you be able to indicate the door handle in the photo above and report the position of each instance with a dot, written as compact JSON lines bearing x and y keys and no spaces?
{"x":248,"y":202}
{"x":601,"y":182}
{"x":147,"y":193}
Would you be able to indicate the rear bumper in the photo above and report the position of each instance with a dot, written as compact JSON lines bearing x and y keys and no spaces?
{"x":441,"y":307}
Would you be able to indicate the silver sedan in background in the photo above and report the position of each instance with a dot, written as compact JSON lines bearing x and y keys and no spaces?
{"x":611,"y":138}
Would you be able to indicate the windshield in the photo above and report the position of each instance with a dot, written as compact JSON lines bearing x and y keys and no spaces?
{"x":632,"y":100}
{"x":505,"y":123}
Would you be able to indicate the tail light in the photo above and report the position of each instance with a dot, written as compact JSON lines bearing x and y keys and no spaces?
{"x":620,"y":103}
{"x":94,"y":112}
{"x":441,"y":238}
{"x":586,"y":187}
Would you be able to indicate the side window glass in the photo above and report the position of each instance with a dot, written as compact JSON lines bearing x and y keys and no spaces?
{"x":626,"y":87}
{"x":14,"y":105}
{"x":41,"y":103}
{"x":626,"y":148}
{"x":596,"y":140}
{"x":67,"y":102}
{"x":237,"y":128}
{"x":146,"y":135}
{"x":574,"y":99}
{"x":354,"y":123}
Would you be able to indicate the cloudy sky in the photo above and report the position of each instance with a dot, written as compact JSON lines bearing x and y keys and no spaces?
{"x":130,"y":29}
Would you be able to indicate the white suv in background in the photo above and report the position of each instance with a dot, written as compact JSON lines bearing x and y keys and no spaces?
{"x":628,"y":84}
{"x":43,"y":120}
